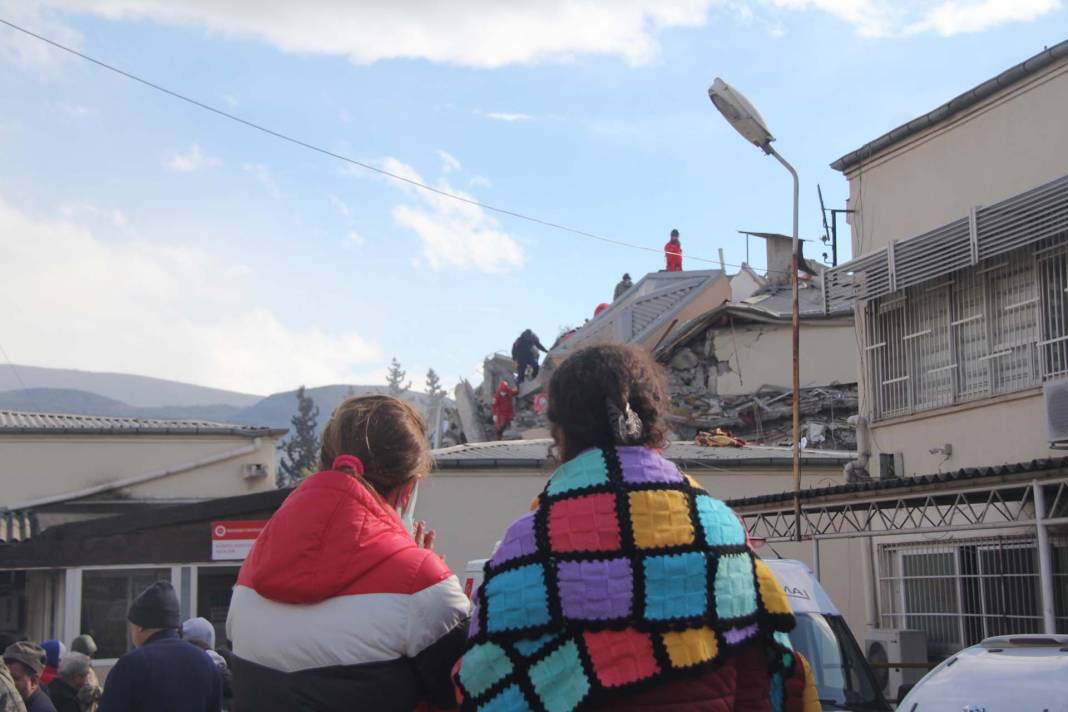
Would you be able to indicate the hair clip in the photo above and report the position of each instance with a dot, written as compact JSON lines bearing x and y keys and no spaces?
{"x":350,"y":461}
{"x":625,"y":424}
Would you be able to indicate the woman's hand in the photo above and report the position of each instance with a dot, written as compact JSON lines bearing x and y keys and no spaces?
{"x":424,"y":537}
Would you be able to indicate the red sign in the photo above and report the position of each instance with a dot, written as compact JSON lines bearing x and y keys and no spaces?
{"x":231,"y":540}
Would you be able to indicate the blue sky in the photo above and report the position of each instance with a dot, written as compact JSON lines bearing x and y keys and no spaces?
{"x":141,"y":234}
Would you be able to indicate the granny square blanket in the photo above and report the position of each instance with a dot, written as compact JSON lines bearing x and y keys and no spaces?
{"x":626,"y":573}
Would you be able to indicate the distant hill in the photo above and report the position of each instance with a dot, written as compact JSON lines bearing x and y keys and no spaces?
{"x":137,"y":391}
{"x":273,"y":411}
{"x":276,"y":410}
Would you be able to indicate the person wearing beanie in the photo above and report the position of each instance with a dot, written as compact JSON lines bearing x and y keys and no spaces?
{"x":84,"y":644}
{"x":163,"y":673}
{"x":201,"y":633}
{"x":54,"y":650}
{"x":26,"y":661}
{"x":10,"y":699}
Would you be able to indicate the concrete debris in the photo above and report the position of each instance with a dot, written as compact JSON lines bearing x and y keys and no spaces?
{"x":470,"y":411}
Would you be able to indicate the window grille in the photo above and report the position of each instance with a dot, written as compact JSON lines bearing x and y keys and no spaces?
{"x":963,"y":591}
{"x":996,"y":328}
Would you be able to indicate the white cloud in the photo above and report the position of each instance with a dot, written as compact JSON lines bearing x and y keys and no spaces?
{"x":75,"y":111}
{"x":453,"y":234}
{"x":264,"y":176}
{"x":113,"y":217}
{"x":191,"y":161}
{"x":449,"y":163}
{"x":887,"y":18}
{"x":30,"y":53}
{"x":507,"y":116}
{"x":354,"y":239}
{"x":476,"y":33}
{"x":340,"y":205}
{"x":164,"y":310}
{"x":479,"y":182}
{"x":951,"y":17}
{"x":230,"y":100}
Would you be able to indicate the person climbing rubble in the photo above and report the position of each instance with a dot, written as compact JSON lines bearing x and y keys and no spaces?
{"x":504,"y":408}
{"x":673,"y":253}
{"x":525,"y":354}
{"x":622,"y":287}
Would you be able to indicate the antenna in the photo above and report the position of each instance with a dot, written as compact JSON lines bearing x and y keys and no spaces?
{"x":823,"y":214}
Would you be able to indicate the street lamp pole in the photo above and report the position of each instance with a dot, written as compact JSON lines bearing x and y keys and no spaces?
{"x":744,"y":117}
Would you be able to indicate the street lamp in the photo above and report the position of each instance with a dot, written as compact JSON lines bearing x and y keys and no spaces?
{"x":747,"y":121}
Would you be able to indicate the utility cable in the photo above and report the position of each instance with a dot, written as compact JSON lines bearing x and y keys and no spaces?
{"x":326,"y":152}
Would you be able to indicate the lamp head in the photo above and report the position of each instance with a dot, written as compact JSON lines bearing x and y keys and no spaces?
{"x":741,"y":114}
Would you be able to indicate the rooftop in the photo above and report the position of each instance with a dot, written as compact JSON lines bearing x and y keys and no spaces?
{"x":968,"y":474}
{"x":14,"y":422}
{"x":956,"y":106}
{"x":535,"y":454}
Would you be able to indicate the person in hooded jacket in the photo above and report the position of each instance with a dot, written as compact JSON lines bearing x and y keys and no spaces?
{"x":628,"y":587}
{"x":342,"y":604}
{"x":503,"y":408}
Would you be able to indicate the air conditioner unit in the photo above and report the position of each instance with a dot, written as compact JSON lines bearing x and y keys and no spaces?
{"x":893,"y":645}
{"x":254,"y":471}
{"x":891,"y":465}
{"x":1055,"y":395}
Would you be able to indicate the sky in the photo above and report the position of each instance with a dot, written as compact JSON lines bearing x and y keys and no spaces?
{"x":141,"y":234}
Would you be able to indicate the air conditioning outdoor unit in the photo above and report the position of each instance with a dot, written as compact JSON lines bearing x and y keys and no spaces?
{"x":894,"y":645}
{"x":254,"y":471}
{"x":1055,"y":395}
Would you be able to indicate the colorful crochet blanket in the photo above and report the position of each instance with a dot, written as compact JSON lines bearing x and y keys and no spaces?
{"x":626,"y":573}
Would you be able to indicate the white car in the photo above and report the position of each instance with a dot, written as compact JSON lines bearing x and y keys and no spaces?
{"x":1009,"y":673}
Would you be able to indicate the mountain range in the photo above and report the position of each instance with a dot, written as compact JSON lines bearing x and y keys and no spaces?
{"x":50,"y":390}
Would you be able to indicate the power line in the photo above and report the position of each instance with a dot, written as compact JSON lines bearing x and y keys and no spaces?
{"x":326,"y":152}
{"x":18,"y":376}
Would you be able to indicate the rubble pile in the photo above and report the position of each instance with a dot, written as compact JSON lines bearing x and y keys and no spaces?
{"x":764,"y":416}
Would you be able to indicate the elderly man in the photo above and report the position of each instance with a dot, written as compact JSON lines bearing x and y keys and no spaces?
{"x":164,"y":673}
{"x":10,"y":699}
{"x":71,"y":676}
{"x":27,"y":661}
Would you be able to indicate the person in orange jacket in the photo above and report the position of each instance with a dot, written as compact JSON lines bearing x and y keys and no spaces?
{"x":504,"y":408}
{"x":673,"y":253}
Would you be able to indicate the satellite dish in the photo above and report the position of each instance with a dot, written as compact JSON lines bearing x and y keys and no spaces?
{"x":741,"y":114}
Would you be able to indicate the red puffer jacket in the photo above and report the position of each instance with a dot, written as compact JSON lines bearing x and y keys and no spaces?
{"x":337,"y":607}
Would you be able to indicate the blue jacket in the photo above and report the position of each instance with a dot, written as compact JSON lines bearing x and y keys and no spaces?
{"x":166,"y":674}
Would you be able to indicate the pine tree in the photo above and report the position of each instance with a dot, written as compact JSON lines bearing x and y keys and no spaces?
{"x":300,"y":453}
{"x":433,"y":387}
{"x":395,"y":378}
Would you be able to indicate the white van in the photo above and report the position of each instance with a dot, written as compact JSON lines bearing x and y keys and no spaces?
{"x":843,"y":678}
{"x":1010,"y":673}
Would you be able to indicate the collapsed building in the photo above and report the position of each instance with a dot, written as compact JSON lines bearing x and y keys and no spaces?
{"x":725,"y":343}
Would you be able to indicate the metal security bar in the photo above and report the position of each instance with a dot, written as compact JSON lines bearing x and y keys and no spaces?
{"x":962,"y":591}
{"x":1053,"y":271}
{"x":970,"y":335}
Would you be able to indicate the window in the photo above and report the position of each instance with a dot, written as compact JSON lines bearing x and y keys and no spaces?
{"x":983,"y":331}
{"x":962,"y":592}
{"x":106,"y":599}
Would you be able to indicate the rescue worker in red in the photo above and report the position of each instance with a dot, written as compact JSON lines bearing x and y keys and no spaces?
{"x":673,"y":253}
{"x":504,"y":408}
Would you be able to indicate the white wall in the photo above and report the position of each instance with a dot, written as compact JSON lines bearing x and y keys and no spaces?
{"x":1003,"y":147}
{"x":34,"y":466}
{"x":470,"y":510}
{"x":761,"y":354}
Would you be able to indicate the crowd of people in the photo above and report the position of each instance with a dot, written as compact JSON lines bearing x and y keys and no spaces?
{"x":173,"y":667}
{"x":626,"y":587}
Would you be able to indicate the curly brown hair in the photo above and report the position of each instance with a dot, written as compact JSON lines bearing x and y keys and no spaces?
{"x":595,"y":384}
{"x":388,"y":436}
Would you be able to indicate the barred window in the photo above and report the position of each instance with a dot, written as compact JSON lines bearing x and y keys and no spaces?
{"x":983,"y":331}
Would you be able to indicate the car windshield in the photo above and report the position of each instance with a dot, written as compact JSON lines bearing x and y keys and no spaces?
{"x":842,"y":676}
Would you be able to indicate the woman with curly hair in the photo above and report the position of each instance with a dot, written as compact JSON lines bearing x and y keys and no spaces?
{"x":628,"y":586}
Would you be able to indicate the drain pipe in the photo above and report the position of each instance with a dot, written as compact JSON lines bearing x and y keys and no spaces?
{"x":137,"y":479}
{"x":857,"y":470}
